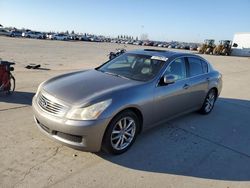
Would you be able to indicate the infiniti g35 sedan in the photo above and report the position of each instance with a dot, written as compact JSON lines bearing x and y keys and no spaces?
{"x":107,"y":107}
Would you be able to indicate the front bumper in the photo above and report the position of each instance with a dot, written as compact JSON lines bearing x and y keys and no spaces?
{"x":83,"y":135}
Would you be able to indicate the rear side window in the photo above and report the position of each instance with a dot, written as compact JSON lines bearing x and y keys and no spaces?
{"x":204,"y":66}
{"x":195,"y":66}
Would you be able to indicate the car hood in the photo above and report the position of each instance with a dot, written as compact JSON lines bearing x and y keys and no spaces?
{"x":80,"y":87}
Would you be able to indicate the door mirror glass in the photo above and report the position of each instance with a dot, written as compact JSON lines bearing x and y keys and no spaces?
{"x":169,"y":79}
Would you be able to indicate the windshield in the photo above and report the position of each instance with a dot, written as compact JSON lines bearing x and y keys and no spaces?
{"x":226,"y":42}
{"x":133,"y":66}
{"x":209,"y":42}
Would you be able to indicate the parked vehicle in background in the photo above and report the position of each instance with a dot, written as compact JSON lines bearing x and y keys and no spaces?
{"x":223,"y":48}
{"x":241,"y":44}
{"x":161,"y":45}
{"x":60,"y":36}
{"x":165,"y":45}
{"x":207,"y":47}
{"x":49,"y":35}
{"x":95,"y":39}
{"x":178,"y":46}
{"x":4,"y":32}
{"x":193,"y":47}
{"x":184,"y":46}
{"x":73,"y":37}
{"x":107,"y":107}
{"x":138,"y":42}
{"x":16,"y":33}
{"x":106,"y":39}
{"x":84,"y":38}
{"x":155,"y":43}
{"x":130,"y":42}
{"x":148,"y":43}
{"x":33,"y":34}
{"x":172,"y":45}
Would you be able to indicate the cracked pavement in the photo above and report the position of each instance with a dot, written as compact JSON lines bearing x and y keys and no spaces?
{"x":189,"y":151}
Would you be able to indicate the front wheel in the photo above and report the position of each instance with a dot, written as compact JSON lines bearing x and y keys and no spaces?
{"x":12,"y":85}
{"x":215,"y":52}
{"x":121,"y":133}
{"x":209,"y":101}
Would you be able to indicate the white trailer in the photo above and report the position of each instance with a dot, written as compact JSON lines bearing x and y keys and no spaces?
{"x":241,"y":44}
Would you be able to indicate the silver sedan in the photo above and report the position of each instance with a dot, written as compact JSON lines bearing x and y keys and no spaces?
{"x":107,"y":107}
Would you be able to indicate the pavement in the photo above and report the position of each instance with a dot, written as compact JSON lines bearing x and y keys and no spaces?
{"x":189,"y":151}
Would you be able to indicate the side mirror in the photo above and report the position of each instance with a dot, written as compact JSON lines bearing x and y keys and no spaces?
{"x":235,"y":45}
{"x":169,"y":79}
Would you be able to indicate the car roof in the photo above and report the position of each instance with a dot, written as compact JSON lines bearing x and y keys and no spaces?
{"x":164,"y":53}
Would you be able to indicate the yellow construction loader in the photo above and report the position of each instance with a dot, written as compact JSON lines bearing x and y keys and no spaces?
{"x":224,"y":48}
{"x":207,"y":47}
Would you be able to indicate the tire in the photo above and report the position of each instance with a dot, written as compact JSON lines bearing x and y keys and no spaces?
{"x":209,"y":102}
{"x":115,"y":133}
{"x":208,"y":51}
{"x":215,"y":52}
{"x":12,"y":87}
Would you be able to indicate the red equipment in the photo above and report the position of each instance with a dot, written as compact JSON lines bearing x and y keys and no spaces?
{"x":7,"y":80}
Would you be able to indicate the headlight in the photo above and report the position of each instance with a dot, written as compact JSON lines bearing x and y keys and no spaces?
{"x":90,"y":112}
{"x":39,"y":88}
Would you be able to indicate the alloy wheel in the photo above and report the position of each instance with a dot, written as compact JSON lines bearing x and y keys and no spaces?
{"x":210,"y":100}
{"x":123,"y":133}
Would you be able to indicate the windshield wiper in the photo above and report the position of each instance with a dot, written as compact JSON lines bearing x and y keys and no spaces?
{"x":114,"y":74}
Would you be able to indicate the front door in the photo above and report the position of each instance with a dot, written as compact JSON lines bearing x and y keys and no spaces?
{"x":172,"y":99}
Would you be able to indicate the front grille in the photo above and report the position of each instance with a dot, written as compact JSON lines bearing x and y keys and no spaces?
{"x":70,"y":137}
{"x":50,"y":106}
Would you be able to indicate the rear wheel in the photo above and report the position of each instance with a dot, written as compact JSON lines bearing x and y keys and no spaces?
{"x":208,"y":104}
{"x":121,"y":133}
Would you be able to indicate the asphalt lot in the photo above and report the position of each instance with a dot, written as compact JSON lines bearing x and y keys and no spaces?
{"x":190,"y":151}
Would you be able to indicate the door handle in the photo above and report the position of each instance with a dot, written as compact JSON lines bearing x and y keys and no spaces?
{"x":208,"y":79}
{"x":186,"y":86}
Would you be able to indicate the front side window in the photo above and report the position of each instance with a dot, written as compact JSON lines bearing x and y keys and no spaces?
{"x":133,"y":66}
{"x":177,"y":68}
{"x":195,"y":66}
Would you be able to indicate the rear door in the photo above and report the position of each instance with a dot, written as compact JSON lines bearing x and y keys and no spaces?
{"x":197,"y":80}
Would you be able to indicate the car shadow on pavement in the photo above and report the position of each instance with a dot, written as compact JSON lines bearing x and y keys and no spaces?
{"x":18,"y":97}
{"x":214,"y":146}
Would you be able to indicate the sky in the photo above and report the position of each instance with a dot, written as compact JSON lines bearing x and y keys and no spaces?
{"x":166,"y":20}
